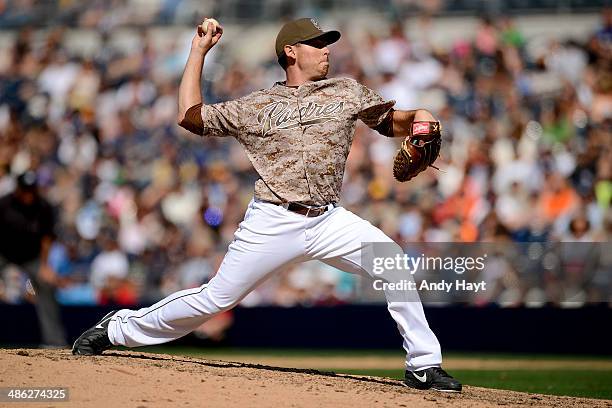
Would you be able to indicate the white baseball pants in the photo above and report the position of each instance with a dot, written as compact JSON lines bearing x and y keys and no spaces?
{"x":269,"y":238}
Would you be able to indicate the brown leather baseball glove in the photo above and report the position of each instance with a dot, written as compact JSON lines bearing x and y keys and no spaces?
{"x":418,"y":151}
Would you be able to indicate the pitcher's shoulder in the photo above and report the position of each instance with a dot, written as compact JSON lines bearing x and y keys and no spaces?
{"x":345,"y":81}
{"x":260,"y":96}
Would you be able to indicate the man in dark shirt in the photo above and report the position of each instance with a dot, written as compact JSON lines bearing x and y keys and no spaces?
{"x":26,"y":235}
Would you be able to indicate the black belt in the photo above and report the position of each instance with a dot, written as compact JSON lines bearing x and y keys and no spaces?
{"x":307,"y":210}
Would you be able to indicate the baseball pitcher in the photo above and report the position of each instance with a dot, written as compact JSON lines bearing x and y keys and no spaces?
{"x":297,"y":134}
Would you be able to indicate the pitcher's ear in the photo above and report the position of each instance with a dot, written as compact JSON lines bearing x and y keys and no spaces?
{"x":289,"y":51}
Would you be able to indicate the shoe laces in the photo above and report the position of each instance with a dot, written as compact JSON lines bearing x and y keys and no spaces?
{"x":441,"y":372}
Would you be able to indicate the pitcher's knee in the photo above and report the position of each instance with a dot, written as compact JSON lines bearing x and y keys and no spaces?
{"x":222,"y":305}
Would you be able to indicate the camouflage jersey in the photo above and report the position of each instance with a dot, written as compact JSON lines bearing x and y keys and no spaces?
{"x":298,"y":138}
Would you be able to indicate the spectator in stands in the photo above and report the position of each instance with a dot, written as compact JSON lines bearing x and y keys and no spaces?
{"x":526,"y":139}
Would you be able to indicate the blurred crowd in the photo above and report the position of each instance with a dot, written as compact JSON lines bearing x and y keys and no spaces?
{"x":145,"y":209}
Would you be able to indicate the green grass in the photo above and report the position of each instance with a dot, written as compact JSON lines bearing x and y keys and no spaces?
{"x":570,"y":382}
{"x":574,"y":383}
{"x":224,"y":351}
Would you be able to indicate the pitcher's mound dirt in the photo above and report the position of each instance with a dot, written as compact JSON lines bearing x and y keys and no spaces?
{"x":139,"y":380}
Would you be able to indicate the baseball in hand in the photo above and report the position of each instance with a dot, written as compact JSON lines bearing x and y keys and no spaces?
{"x":204,"y":26}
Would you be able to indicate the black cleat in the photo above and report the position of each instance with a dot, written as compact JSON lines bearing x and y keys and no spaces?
{"x":95,"y":340}
{"x":433,"y":378}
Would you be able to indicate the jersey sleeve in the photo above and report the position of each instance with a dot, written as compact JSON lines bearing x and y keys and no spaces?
{"x":222,"y":119}
{"x":373,"y":108}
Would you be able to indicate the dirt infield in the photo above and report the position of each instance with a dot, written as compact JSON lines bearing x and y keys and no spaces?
{"x":140,"y":380}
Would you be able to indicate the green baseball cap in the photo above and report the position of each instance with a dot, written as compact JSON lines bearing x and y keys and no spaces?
{"x":303,"y":29}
